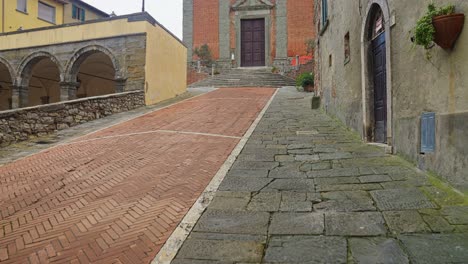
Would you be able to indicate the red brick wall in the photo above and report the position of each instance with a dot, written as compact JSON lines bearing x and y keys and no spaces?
{"x":307,"y":67}
{"x":206,"y":25}
{"x":194,"y":76}
{"x":300,"y":25}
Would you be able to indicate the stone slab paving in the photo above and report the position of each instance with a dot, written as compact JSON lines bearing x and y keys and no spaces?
{"x":305,"y":189}
{"x":116,"y":195}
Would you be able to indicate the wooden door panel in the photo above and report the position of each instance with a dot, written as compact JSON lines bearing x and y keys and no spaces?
{"x":253,"y":42}
{"x":380,"y":89}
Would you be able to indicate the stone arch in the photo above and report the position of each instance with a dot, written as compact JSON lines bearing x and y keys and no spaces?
{"x":9,"y":67}
{"x":366,"y":74}
{"x":107,"y":74}
{"x":46,"y":84}
{"x":81,"y":55}
{"x":7,"y":78}
{"x":27,"y":64}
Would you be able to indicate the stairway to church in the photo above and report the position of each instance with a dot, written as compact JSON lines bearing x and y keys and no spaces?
{"x":246,"y":78}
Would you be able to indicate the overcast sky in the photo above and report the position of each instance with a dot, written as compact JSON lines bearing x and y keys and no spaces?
{"x":166,"y":12}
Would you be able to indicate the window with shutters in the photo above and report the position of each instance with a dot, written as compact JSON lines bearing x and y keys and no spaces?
{"x":22,"y":5}
{"x":324,"y":21}
{"x":78,"y":13}
{"x":428,"y":129}
{"x":46,"y":12}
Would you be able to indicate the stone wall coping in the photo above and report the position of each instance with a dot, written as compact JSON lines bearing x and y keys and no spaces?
{"x":61,"y":105}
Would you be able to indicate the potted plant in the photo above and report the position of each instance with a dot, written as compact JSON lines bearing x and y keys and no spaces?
{"x":440,"y":25}
{"x":448,"y":28}
{"x":306,"y":80}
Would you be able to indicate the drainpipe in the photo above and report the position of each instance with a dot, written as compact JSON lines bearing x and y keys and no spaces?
{"x":3,"y":16}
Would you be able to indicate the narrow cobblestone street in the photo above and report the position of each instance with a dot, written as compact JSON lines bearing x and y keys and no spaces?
{"x":307,"y":190}
{"x":116,"y":195}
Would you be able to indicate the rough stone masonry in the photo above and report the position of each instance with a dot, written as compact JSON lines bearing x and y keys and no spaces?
{"x":20,"y":124}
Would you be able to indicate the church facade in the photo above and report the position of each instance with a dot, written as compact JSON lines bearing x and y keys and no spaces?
{"x":250,"y":33}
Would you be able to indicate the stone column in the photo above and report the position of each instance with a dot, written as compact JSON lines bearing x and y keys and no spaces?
{"x":281,"y":32}
{"x":68,"y":90}
{"x":188,"y":28}
{"x":19,"y":96}
{"x":120,"y":85}
{"x":224,"y":34}
{"x":15,"y":97}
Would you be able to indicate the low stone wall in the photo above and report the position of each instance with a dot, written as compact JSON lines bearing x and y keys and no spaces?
{"x":194,"y":76}
{"x":308,"y":67}
{"x":20,"y":124}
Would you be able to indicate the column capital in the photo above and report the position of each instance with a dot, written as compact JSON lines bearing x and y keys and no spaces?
{"x":68,"y":90}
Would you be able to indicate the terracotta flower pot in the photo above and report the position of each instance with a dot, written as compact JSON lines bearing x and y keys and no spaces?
{"x":309,"y":88}
{"x":448,"y":28}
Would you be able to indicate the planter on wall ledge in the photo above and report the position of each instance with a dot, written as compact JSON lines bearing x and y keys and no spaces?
{"x":448,"y":28}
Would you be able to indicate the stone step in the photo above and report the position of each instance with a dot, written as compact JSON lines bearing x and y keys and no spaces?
{"x":246,"y":77}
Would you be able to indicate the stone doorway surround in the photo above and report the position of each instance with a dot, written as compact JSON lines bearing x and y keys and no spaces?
{"x":253,"y":9}
{"x":366,"y":74}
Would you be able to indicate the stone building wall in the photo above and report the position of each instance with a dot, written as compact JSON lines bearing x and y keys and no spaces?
{"x":126,"y":52}
{"x":414,"y":84}
{"x":21,"y":124}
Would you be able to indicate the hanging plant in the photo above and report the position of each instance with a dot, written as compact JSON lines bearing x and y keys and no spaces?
{"x":426,"y":33}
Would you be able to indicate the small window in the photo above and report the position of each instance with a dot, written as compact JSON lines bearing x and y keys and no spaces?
{"x":347,"y":49}
{"x":330,"y":60}
{"x":46,"y":12}
{"x":324,"y":12}
{"x":22,"y":5}
{"x":78,"y":13}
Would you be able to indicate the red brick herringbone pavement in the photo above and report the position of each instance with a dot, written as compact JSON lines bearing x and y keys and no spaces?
{"x":115,"y":196}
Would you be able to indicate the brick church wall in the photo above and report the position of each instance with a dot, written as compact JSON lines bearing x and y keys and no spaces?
{"x":300,"y":26}
{"x":206,"y":25}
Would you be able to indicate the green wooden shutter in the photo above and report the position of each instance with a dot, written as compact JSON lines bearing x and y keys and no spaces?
{"x":83,"y":16}
{"x":428,"y":127}
{"x":74,"y":13}
{"x":324,"y":11}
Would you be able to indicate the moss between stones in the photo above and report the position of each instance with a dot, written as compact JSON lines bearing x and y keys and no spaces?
{"x":450,"y":195}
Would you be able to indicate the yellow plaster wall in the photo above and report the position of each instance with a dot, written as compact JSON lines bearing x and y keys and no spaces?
{"x":2,"y":14}
{"x":69,"y":34}
{"x":14,"y":19}
{"x":166,"y":57}
{"x":68,"y":15}
{"x":166,"y":66}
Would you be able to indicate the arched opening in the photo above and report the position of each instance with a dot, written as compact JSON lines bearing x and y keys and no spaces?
{"x":378,"y":76}
{"x":94,"y":73}
{"x":6,"y":81}
{"x":377,"y":95}
{"x":41,"y":76}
